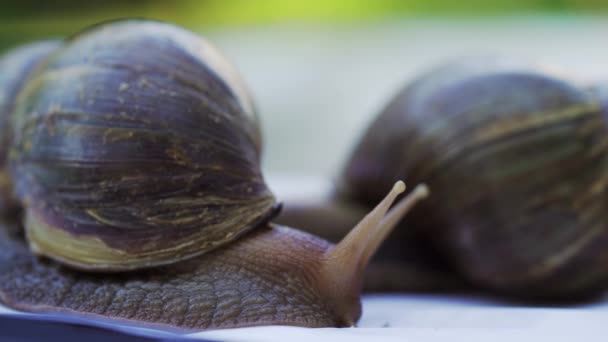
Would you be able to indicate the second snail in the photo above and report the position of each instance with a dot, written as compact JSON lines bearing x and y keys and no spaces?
{"x":517,"y":157}
{"x":131,"y":190}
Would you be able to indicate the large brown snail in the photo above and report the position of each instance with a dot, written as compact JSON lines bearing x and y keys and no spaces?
{"x":518,"y":162}
{"x":134,"y":153}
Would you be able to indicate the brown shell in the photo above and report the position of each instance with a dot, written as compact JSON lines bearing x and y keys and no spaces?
{"x":137,"y":146}
{"x":16,"y":66}
{"x":517,"y":162}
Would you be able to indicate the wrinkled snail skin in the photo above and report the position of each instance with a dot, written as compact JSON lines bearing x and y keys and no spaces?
{"x":135,"y":155}
{"x":517,"y":162}
{"x":253,"y":281}
{"x":16,"y":66}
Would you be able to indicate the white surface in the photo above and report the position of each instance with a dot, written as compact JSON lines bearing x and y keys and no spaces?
{"x":446,"y":318}
{"x":442,"y":318}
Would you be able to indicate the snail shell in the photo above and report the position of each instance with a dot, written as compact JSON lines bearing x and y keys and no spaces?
{"x":17,"y":65}
{"x":517,"y":159}
{"x":126,"y":159}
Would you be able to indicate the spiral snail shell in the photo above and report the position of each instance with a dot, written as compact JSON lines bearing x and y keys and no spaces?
{"x":164,"y":146}
{"x":516,"y":157}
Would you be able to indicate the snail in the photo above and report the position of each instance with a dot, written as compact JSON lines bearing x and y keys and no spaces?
{"x":135,"y":152}
{"x":517,"y":159}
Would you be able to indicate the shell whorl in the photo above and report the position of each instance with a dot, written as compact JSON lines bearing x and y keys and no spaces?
{"x":134,"y":151}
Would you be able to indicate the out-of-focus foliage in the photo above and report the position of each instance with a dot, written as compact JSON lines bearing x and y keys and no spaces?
{"x":29,"y":19}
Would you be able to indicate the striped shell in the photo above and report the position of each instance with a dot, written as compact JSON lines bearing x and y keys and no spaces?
{"x":16,"y":66}
{"x":138,"y":145}
{"x":518,"y":163}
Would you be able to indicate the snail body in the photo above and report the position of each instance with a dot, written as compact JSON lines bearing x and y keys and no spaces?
{"x":517,"y":160}
{"x":134,"y":153}
{"x":270,"y":277}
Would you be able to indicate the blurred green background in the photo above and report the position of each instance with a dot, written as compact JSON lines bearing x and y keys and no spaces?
{"x":29,"y":19}
{"x":320,"y":70}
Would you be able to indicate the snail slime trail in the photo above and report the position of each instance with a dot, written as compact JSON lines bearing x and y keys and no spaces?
{"x":273,"y":276}
{"x":143,"y":198}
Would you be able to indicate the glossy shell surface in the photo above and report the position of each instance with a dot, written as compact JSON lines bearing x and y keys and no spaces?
{"x":137,"y":145}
